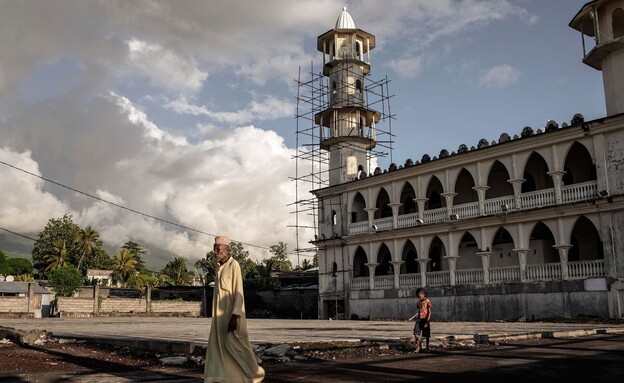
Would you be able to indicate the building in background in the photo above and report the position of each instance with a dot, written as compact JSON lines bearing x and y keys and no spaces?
{"x":529,"y":225}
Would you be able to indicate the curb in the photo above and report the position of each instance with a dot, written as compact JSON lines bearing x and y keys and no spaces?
{"x":486,"y":338}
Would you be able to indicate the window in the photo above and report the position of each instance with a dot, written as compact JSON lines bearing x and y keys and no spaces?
{"x":334,"y":218}
{"x":617,"y":23}
{"x":358,"y":48}
{"x":334,"y":269}
{"x":358,"y":86}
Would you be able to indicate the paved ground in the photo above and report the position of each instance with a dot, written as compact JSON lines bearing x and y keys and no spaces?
{"x":590,"y":359}
{"x":273,"y":330}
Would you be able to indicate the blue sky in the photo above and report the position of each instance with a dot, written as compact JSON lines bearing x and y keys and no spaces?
{"x":185,"y":109}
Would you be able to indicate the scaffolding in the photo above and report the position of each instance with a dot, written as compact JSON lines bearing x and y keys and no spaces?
{"x":314,"y":96}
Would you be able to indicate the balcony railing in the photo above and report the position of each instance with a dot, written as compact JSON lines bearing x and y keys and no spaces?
{"x":438,"y":278}
{"x":504,"y":274}
{"x":541,"y":198}
{"x":360,"y":283}
{"x":579,"y":192}
{"x":384,"y":282}
{"x":586,"y":269}
{"x":545,"y":272}
{"x":409,"y":280}
{"x":466,"y":277}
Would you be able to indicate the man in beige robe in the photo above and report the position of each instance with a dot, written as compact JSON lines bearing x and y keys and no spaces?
{"x":229,"y":356}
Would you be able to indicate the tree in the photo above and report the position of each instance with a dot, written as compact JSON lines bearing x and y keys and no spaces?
{"x":315,"y":261}
{"x":237,"y":251}
{"x":265,"y":270}
{"x":306,"y":265}
{"x":5,"y":268}
{"x":137,"y":252}
{"x":177,"y":274}
{"x":280,"y":257}
{"x":66,"y":280}
{"x":124,"y":270}
{"x":20,"y":266}
{"x":57,"y":229}
{"x":100,"y":260}
{"x":57,"y":256}
{"x":86,"y":242}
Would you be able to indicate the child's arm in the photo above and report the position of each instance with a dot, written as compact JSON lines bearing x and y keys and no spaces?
{"x":414,"y":317}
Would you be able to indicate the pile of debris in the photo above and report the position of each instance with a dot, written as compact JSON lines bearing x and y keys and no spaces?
{"x":32,"y":338}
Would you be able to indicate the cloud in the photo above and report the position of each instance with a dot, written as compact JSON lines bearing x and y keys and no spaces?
{"x":164,"y":67}
{"x":407,"y":67}
{"x":269,"y":108}
{"x":500,"y":76}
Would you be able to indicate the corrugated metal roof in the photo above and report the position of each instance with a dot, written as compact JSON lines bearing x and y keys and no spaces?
{"x":345,"y":21}
{"x":20,"y":288}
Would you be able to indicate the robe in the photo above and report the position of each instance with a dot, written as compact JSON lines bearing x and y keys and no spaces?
{"x":229,"y":356}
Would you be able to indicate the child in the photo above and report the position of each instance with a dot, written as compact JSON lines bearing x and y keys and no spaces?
{"x":422,"y":329}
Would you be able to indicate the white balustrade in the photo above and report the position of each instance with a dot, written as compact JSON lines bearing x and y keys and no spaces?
{"x":384,"y":282}
{"x":544,"y":272}
{"x":359,"y":228}
{"x":539,"y":198}
{"x":360,"y":283}
{"x":464,"y":277}
{"x":467,"y":210}
{"x":495,"y":205}
{"x":409,"y":280}
{"x":504,"y":274}
{"x":438,"y":278}
{"x":383,"y":223}
{"x":579,"y":192}
{"x":435,"y":215}
{"x":407,"y":220}
{"x":586,"y":269}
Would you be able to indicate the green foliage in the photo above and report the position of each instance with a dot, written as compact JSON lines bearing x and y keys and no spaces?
{"x":66,"y":280}
{"x":20,"y":266}
{"x":57,"y":256}
{"x":24,"y":278}
{"x":57,"y":231}
{"x":265,"y":269}
{"x":5,"y":268}
{"x":175,"y":273}
{"x":315,"y":261}
{"x":100,"y":260}
{"x":280,"y":259}
{"x":87,"y":241}
{"x":209,"y":264}
{"x":306,"y":265}
{"x":124,"y":268}
{"x":137,"y":252}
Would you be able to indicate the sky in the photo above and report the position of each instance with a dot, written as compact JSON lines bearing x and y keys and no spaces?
{"x":184,"y":109}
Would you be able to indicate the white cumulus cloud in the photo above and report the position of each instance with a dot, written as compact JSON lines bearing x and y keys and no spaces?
{"x":500,"y":76}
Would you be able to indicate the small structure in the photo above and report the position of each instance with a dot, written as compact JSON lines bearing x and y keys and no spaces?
{"x":103,"y":277}
{"x":24,"y":299}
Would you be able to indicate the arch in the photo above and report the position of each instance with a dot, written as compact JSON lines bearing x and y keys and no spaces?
{"x":334,"y":218}
{"x":410,"y":259}
{"x":498,"y":181}
{"x":358,"y":86}
{"x":437,"y":252}
{"x":334,"y":269}
{"x":617,"y":23}
{"x":502,"y":246}
{"x":384,"y":259}
{"x":408,"y":205}
{"x":358,"y":214}
{"x":579,"y":165}
{"x":361,"y":127}
{"x":383,"y":205}
{"x":585,"y":240}
{"x":359,"y":263}
{"x":434,"y":194}
{"x":542,"y":241}
{"x":358,"y":49}
{"x":536,"y":174}
{"x":468,"y":248}
{"x":464,"y":185}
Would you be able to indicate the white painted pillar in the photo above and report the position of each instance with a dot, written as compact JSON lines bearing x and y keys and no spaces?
{"x":371,"y":274}
{"x":485,"y":263}
{"x":481,"y":190}
{"x":563,"y":258}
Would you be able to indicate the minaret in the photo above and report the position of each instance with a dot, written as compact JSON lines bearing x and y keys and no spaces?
{"x":347,"y":125}
{"x":604,"y":21}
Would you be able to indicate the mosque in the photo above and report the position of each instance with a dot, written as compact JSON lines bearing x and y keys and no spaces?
{"x":528,"y":226}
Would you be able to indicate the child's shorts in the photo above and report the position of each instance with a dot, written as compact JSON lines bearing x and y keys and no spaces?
{"x":420,"y":329}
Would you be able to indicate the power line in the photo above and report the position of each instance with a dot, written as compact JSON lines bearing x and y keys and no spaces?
{"x":118,"y":206}
{"x":18,"y":234}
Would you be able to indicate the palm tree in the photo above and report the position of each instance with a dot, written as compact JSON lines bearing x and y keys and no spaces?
{"x":177,"y":273}
{"x":58,"y":256}
{"x":124,"y":267}
{"x":86,"y":241}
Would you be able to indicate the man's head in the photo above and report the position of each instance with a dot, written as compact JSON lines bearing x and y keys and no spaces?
{"x":421,"y":293}
{"x":222,"y":249}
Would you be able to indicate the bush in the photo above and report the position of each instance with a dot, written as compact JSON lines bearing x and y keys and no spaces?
{"x":66,"y":280}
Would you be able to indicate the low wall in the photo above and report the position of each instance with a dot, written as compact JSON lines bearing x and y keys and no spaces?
{"x":291,"y":303}
{"x":122,"y":305}
{"x":77,"y":307}
{"x":13,"y":305}
{"x":485,"y":303}
{"x":176,"y":307}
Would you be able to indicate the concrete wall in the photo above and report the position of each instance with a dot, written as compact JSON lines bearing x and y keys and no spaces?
{"x":13,"y":305}
{"x":75,"y":305}
{"x":486,"y":303}
{"x":122,"y":305}
{"x":176,"y":307}
{"x":291,"y":303}
{"x":126,"y":306}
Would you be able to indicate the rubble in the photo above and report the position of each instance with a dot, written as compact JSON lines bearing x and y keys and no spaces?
{"x":173,"y":360}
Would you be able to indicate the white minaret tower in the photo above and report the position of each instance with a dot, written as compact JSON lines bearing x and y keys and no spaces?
{"x":347,"y":125}
{"x":604,"y":21}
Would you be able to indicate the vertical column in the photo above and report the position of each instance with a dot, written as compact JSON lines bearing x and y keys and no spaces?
{"x":395,"y":213}
{"x":517,"y":187}
{"x":396,"y":263}
{"x":452,"y":262}
{"x":423,"y":271}
{"x":449,"y":196}
{"x":563,"y":258}
{"x":522,"y":260}
{"x":96,"y":299}
{"x":557,"y":176}
{"x":481,"y":190}
{"x":371,"y":274}
{"x":371,"y":216}
{"x":148,"y":298}
{"x":421,"y":207}
{"x":485,"y":263}
{"x":31,"y":297}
